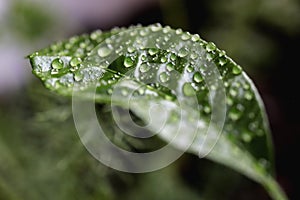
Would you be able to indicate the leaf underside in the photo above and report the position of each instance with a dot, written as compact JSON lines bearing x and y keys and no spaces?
{"x":245,"y":143}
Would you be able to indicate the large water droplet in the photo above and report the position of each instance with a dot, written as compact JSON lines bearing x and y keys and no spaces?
{"x":57,"y":63}
{"x":188,"y":89}
{"x":104,"y":51}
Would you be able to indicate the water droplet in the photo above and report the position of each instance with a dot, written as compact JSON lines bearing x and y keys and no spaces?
{"x":173,"y":57}
{"x":144,"y":68}
{"x":197,"y":77}
{"x":152,"y":51}
{"x":75,"y":61}
{"x":210,"y":47}
{"x":143,"y":32}
{"x":190,"y":68}
{"x":78,"y":76}
{"x":194,"y":56}
{"x":54,"y":71}
{"x":155,"y":27}
{"x":206,"y":109}
{"x":233,"y":92}
{"x":163,"y":59}
{"x":188,"y":90}
{"x":96,"y":34}
{"x":236,"y":69}
{"x":234,"y":114}
{"x":164,"y":77}
{"x":178,"y":31}
{"x":185,"y":36}
{"x":57,"y":63}
{"x":104,"y":51}
{"x":170,"y":67}
{"x":130,"y":49}
{"x":128,"y":62}
{"x":124,"y":92}
{"x":248,"y":95}
{"x":209,"y":57}
{"x":222,"y":61}
{"x":246,"y":137}
{"x":229,"y":101}
{"x":183,"y":52}
{"x":195,"y":38}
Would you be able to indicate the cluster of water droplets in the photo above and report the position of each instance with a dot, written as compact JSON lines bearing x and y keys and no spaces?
{"x":174,"y":65}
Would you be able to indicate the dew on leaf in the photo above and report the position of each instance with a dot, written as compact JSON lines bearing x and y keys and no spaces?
{"x":57,"y":63}
{"x":144,"y":68}
{"x":183,"y":52}
{"x":128,"y":62}
{"x":188,"y":90}
{"x":164,"y":77}
{"x":104,"y":51}
{"x":210,"y":47}
{"x":75,"y":61}
{"x":236,"y":70}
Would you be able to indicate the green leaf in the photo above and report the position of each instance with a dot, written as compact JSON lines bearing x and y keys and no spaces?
{"x":207,"y":97}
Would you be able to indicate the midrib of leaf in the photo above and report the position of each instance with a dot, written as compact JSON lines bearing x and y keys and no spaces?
{"x":249,"y":167}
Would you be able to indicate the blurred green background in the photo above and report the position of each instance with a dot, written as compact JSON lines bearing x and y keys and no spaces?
{"x":41,"y":156}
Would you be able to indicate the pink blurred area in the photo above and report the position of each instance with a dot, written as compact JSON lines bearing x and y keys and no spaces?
{"x":69,"y":16}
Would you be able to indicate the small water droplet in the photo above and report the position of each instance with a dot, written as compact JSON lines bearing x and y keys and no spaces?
{"x":233,"y":92}
{"x":128,"y":62}
{"x":185,"y":36}
{"x":173,"y":57}
{"x":104,"y":51}
{"x":246,"y":137}
{"x":178,"y":31}
{"x":164,"y":77}
{"x":248,"y":95}
{"x":195,"y":38}
{"x":155,"y":27}
{"x":210,"y":47}
{"x":197,"y":77}
{"x":75,"y":61}
{"x":206,"y":109}
{"x":234,"y":114}
{"x":144,"y":68}
{"x":170,"y":67}
{"x":236,"y":70}
{"x":57,"y":63}
{"x":222,"y":61}
{"x":190,"y":68}
{"x":130,"y":49}
{"x":183,"y":52}
{"x":78,"y":76}
{"x":188,"y":90}
{"x":163,"y":59}
{"x":194,"y":56}
{"x":209,"y":56}
{"x":152,"y":51}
